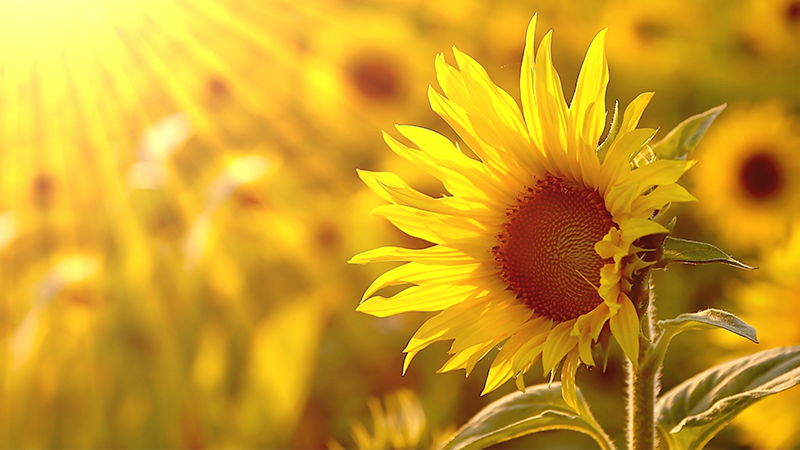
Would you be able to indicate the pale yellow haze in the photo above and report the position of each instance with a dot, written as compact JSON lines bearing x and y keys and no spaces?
{"x":43,"y":30}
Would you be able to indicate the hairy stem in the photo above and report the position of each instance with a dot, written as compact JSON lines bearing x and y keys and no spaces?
{"x":642,"y":396}
{"x":643,"y":384}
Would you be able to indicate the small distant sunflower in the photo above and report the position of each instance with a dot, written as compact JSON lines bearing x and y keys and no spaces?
{"x":360,"y":68}
{"x":400,"y":426}
{"x":770,"y":28}
{"x":534,"y":246}
{"x":655,"y":38}
{"x":748,"y":183}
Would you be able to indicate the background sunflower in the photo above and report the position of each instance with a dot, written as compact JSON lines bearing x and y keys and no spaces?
{"x":751,"y":156}
{"x":178,"y":198}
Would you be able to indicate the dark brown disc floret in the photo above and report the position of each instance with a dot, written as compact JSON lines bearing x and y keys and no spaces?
{"x":546,"y":248}
{"x":761,"y":176}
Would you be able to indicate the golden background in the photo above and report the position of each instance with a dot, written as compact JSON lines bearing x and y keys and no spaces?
{"x":178,"y":199}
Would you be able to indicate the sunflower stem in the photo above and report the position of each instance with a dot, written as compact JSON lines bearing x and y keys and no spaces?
{"x":643,"y":383}
{"x":642,"y":397}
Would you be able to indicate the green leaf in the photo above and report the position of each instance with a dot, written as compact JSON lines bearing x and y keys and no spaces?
{"x":539,"y":408}
{"x":703,"y":320}
{"x":691,"y":252}
{"x":696,"y":410}
{"x":684,"y":138}
{"x":707,"y":319}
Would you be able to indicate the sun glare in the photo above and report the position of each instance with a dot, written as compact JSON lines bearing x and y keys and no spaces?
{"x":32,"y":30}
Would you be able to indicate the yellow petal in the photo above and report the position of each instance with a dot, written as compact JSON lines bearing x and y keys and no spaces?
{"x":458,"y":117}
{"x":596,"y":319}
{"x":526,"y":85}
{"x":416,"y":298}
{"x":497,"y":119}
{"x":532,"y":348}
{"x":645,"y":205}
{"x":432,"y":227}
{"x":477,"y":356}
{"x":454,"y":180}
{"x":610,"y":287}
{"x":616,"y":165}
{"x":585,"y":348}
{"x":569,"y":390}
{"x":519,"y":381}
{"x":407,"y":360}
{"x":625,"y":328}
{"x":495,"y":103}
{"x":559,"y":342}
{"x":422,"y":274}
{"x":499,"y":373}
{"x":620,"y":197}
{"x":590,"y":90}
{"x":451,"y":81}
{"x":552,"y":108}
{"x":634,"y":111}
{"x":635,"y":228}
{"x":506,"y":364}
{"x":589,"y":164}
{"x":392,"y":188}
{"x":462,"y":359}
{"x":442,"y":153}
{"x":437,"y":254}
{"x":660,"y":173}
{"x":454,"y":320}
{"x":438,"y":147}
{"x":606,"y":249}
{"x":498,"y":324}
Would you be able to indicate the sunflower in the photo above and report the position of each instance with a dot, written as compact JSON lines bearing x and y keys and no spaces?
{"x":534,"y":246}
{"x":748,"y":190}
{"x":656,"y":39}
{"x":360,"y":66}
{"x":400,"y":426}
{"x":770,"y":28}
{"x":771,"y":305}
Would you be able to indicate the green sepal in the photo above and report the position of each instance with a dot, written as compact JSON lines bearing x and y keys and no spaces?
{"x":600,"y":350}
{"x":671,"y":225}
{"x":685,"y":251}
{"x":692,"y":413}
{"x":684,"y":138}
{"x":539,"y":408}
{"x":613,"y":130}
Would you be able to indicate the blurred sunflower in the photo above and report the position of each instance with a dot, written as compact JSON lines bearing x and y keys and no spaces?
{"x":535,"y":246}
{"x":361,"y":70}
{"x":402,"y":425}
{"x":655,"y":39}
{"x":771,"y":28}
{"x":771,"y":306}
{"x":747,"y":186}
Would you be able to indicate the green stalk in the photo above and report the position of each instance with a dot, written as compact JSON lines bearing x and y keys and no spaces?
{"x":643,"y":384}
{"x":642,"y":387}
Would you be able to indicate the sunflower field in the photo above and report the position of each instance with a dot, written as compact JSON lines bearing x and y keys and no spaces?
{"x":179,"y":201}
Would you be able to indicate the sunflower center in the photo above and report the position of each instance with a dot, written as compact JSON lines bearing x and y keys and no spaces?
{"x":216,"y":86}
{"x":760,"y":175}
{"x":546,"y":249}
{"x":649,"y":31}
{"x":793,"y":12}
{"x":376,"y":79}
